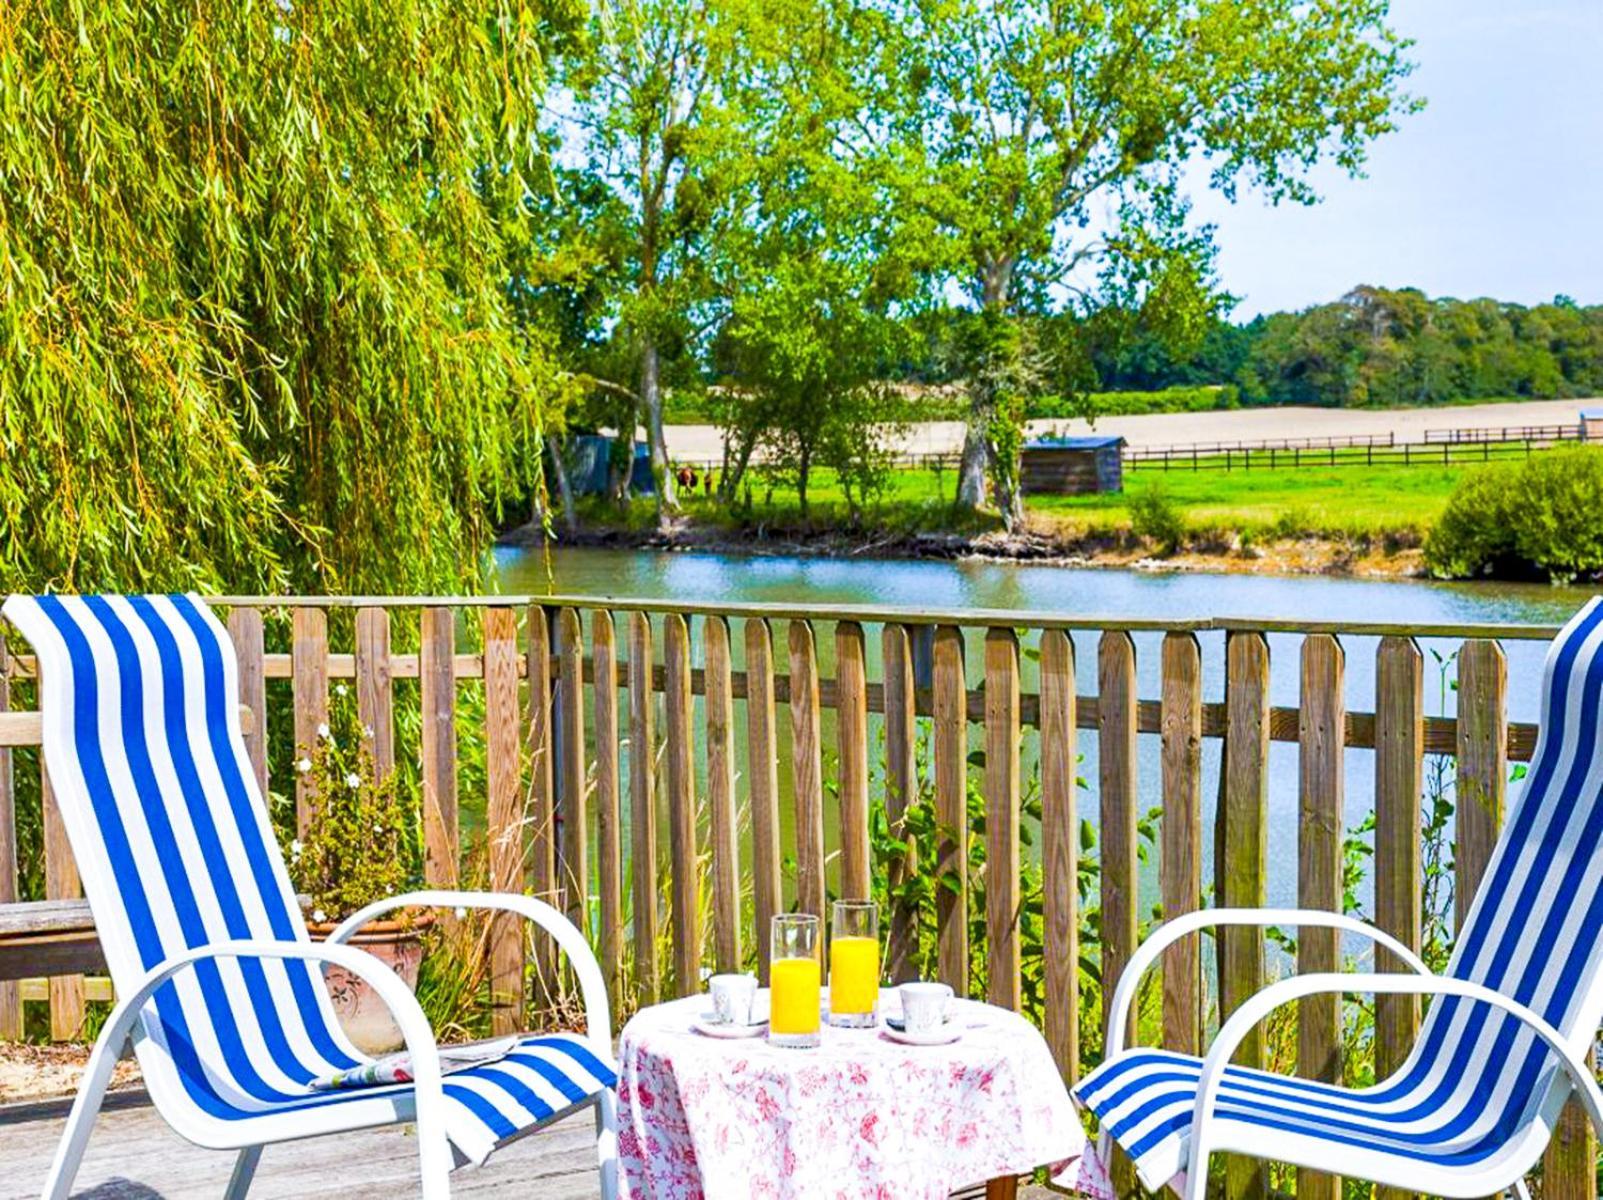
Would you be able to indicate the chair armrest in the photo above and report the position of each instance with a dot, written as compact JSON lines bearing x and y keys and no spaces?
{"x":1166,"y":934}
{"x":1256,"y":1007}
{"x":429,"y":1098}
{"x":592,"y":988}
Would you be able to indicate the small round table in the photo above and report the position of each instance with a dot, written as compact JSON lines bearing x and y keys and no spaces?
{"x":858,"y":1116}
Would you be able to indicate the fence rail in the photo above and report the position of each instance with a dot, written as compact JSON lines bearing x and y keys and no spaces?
{"x":1440,"y":448}
{"x":565,"y":758}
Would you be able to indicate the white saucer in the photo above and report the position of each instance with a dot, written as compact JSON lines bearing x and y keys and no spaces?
{"x":707,"y":1027}
{"x":944,"y":1036}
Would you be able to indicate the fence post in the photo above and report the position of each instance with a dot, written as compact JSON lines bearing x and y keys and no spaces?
{"x":1180,"y":862}
{"x":1116,"y":754}
{"x":1241,"y":865}
{"x":681,"y":807}
{"x":609,"y":840}
{"x":437,"y":700}
{"x":643,"y":806}
{"x":504,"y":813}
{"x":721,"y":794}
{"x":574,"y":877}
{"x":762,"y":769}
{"x":808,"y":771}
{"x":61,"y":883}
{"x":1002,"y":817}
{"x":245,"y":631}
{"x":901,"y":789}
{"x":851,"y":728}
{"x":951,"y":807}
{"x":1482,"y":765}
{"x":1060,"y":844}
{"x":1399,"y":760}
{"x":1320,"y":734}
{"x":374,"y":693}
{"x":309,"y":672}
{"x":542,"y":817}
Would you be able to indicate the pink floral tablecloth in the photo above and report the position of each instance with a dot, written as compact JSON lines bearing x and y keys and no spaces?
{"x":859,"y":1116}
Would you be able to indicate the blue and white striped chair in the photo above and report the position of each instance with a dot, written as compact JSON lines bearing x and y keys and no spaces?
{"x":218,"y":985}
{"x":1499,"y":1053}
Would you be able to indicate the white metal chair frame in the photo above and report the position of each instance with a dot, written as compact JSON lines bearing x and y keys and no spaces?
{"x":1204,"y":1141}
{"x":435,"y":1157}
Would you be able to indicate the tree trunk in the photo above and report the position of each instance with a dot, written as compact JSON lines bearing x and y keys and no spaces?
{"x":736,"y":463}
{"x":651,"y":397}
{"x":803,"y":469}
{"x":996,"y":278}
{"x":971,"y":473}
{"x":570,"y":518}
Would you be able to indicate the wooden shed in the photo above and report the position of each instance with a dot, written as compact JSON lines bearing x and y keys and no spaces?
{"x":1069,"y":466}
{"x":1592,"y":424}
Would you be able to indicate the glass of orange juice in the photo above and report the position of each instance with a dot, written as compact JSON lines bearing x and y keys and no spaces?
{"x":795,"y":973}
{"x":854,"y":964}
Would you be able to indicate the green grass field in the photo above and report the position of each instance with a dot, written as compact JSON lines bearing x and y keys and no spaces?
{"x":1342,"y":501}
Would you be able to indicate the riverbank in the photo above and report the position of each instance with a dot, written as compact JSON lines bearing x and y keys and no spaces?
{"x":1357,"y":521}
{"x":1390,"y":555}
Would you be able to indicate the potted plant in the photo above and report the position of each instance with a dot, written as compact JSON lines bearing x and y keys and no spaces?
{"x":357,"y":848}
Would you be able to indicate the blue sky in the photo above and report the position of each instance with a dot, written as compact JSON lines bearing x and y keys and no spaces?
{"x":1496,"y":189}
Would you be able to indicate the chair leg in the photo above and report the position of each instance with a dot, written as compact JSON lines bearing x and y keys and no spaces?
{"x":85,"y":1107}
{"x":1520,"y":1190}
{"x":244,"y":1172}
{"x":607,"y":1143}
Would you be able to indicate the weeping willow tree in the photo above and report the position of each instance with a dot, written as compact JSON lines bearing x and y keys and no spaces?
{"x":254,"y":329}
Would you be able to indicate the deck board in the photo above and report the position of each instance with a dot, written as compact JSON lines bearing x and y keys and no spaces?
{"x":134,"y":1156}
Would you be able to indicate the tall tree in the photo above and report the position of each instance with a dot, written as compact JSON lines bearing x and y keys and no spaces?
{"x":1040,"y":146}
{"x":254,"y":330}
{"x":642,"y":106}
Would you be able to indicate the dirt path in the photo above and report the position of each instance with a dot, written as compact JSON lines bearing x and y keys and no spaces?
{"x":701,"y":442}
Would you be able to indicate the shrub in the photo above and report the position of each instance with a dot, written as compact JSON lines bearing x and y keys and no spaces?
{"x":1154,"y":516}
{"x":1543,"y":517}
{"x":356,"y":847}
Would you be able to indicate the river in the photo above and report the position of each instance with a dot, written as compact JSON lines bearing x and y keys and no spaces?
{"x":1095,"y":592}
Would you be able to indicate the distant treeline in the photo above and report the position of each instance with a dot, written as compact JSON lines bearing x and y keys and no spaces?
{"x":1373,"y":347}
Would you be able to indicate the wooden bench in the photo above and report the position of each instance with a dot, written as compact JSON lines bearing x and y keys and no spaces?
{"x":46,"y":938}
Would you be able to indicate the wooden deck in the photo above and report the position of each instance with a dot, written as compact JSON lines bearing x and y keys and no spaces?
{"x":134,"y":1156}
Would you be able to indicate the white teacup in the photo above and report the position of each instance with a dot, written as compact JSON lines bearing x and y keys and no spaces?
{"x":924,"y":1006}
{"x":732,"y":998}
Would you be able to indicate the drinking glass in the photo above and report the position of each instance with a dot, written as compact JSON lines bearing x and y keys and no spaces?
{"x":794,"y":974}
{"x":854,"y":964}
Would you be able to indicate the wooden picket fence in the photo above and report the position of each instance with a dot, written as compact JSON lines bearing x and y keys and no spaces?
{"x":539,"y":659}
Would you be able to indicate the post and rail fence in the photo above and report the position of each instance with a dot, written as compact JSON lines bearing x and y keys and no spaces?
{"x":556,"y":744}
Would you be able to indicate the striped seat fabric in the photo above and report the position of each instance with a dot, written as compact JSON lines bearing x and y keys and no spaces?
{"x":172,"y":839}
{"x":1480,"y":1091}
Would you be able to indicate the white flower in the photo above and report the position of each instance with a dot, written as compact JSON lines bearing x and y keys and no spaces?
{"x":367,"y":731}
{"x":461,"y":914}
{"x":319,"y":916}
{"x":353,"y":781}
{"x":303,"y":765}
{"x":322,"y":730}
{"x":295,"y":848}
{"x":340,"y":689}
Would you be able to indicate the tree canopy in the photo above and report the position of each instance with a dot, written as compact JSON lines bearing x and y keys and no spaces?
{"x":255,"y":330}
{"x":296,"y":294}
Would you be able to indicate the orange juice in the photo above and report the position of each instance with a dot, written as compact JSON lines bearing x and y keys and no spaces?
{"x":794,"y":997}
{"x":853,"y":975}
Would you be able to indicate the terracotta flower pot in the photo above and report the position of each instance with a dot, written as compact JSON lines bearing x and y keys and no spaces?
{"x":362,"y":1014}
